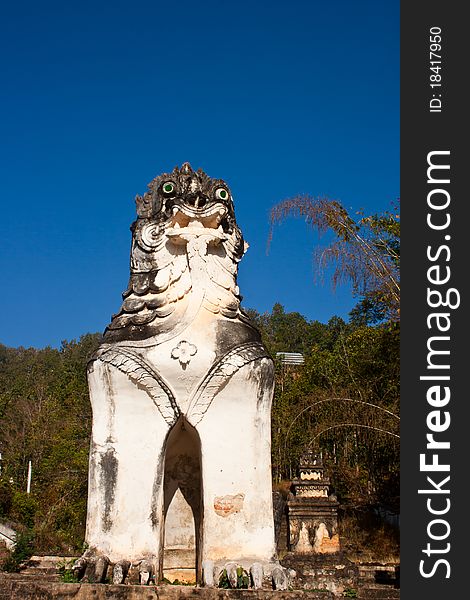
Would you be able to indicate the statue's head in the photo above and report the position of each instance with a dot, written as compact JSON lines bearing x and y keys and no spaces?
{"x":177,"y":202}
{"x":185,"y":249}
{"x":185,"y":195}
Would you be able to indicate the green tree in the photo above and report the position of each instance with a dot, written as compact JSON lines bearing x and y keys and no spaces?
{"x":46,"y":419}
{"x":345,"y":402}
{"x":286,"y":331}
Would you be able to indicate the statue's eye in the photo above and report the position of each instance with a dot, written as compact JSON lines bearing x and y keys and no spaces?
{"x":221,"y":193}
{"x":168,"y":187}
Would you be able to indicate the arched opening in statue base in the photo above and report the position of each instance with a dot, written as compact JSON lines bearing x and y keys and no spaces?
{"x":182,"y":505}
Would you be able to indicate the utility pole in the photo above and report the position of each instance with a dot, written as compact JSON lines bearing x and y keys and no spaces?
{"x":28,"y":486}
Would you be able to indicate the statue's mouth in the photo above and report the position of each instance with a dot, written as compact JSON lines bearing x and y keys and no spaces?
{"x":187,"y":217}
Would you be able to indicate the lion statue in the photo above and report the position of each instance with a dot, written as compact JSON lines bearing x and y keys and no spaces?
{"x":181,"y":390}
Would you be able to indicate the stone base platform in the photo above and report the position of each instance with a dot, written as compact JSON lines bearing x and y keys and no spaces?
{"x":15,"y":588}
{"x":318,"y":578}
{"x":20,"y":587}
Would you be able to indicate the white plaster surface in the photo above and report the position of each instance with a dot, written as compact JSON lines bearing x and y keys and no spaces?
{"x":127,"y":425}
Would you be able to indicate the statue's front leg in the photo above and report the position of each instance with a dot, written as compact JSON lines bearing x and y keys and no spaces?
{"x":125,"y":492}
{"x":235,"y":433}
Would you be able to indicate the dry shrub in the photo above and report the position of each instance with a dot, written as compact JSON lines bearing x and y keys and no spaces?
{"x":4,"y":553}
{"x":365,"y":537}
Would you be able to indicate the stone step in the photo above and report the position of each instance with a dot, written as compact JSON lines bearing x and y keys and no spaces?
{"x":48,"y":561}
{"x":383,"y":574}
{"x":54,"y":577}
{"x":39,"y":570}
{"x":378,"y":593}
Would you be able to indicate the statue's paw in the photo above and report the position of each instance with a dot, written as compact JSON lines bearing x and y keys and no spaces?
{"x":79,"y":568}
{"x":256,"y":575}
{"x":101,"y":568}
{"x":210,"y":573}
{"x":120,"y":571}
{"x":146,"y":572}
{"x":280,"y":578}
{"x":91,"y":569}
{"x":231,"y":569}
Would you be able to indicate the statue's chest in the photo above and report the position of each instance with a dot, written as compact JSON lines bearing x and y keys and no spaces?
{"x":185,"y":360}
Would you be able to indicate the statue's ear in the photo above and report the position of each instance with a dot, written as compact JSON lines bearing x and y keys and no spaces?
{"x":148,"y":205}
{"x":144,"y":205}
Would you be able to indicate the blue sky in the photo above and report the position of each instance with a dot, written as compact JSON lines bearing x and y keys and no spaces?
{"x":277,"y":98}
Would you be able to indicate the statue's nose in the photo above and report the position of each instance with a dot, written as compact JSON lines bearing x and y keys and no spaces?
{"x":197,"y":200}
{"x":194,"y":197}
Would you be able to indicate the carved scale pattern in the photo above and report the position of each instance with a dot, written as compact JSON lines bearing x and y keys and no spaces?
{"x":143,"y":375}
{"x":219,"y":375}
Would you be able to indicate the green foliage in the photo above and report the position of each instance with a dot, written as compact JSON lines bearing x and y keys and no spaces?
{"x":6,"y":498}
{"x":292,"y":332}
{"x":66,"y":573}
{"x":23,"y":508}
{"x":350,"y":593}
{"x":24,"y":549}
{"x":243,"y":579}
{"x":223,"y":580}
{"x":68,"y":577}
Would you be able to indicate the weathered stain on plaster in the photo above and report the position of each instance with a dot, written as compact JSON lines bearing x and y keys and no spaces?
{"x":155,"y":509}
{"x":228,"y":505}
{"x":108,"y":477}
{"x":264,"y":376}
